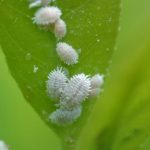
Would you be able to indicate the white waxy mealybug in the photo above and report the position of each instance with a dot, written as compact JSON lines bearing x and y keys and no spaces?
{"x":64,"y":117}
{"x":3,"y":146}
{"x":37,"y":3}
{"x":97,"y":81}
{"x":56,"y":83}
{"x":75,"y":92}
{"x":60,"y":29}
{"x":66,"y":53}
{"x":47,"y":15}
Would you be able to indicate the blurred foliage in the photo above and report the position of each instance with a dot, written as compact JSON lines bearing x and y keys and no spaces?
{"x":20,"y":126}
{"x":121,"y":118}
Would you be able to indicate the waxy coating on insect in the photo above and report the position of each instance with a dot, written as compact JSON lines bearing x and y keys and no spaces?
{"x":67,"y":53}
{"x":37,"y":3}
{"x":76,"y":91}
{"x":47,"y":15}
{"x":97,"y":81}
{"x":56,"y":82}
{"x":60,"y":29}
{"x":63,"y":117}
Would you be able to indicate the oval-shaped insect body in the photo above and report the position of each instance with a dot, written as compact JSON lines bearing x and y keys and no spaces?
{"x":60,"y":29}
{"x":64,"y":117}
{"x":47,"y":15}
{"x":56,"y":83}
{"x":97,"y":81}
{"x":35,"y":3}
{"x":75,"y":92}
{"x":66,"y":53}
{"x":3,"y":146}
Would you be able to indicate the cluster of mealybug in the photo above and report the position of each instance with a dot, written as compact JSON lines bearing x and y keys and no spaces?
{"x":47,"y":16}
{"x":68,"y":94}
{"x":3,"y":146}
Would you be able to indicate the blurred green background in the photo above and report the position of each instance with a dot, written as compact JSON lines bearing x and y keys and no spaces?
{"x":20,"y":126}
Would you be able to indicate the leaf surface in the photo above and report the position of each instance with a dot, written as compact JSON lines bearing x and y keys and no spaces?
{"x":92,"y":29}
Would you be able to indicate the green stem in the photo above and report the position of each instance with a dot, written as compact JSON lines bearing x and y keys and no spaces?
{"x":69,"y":144}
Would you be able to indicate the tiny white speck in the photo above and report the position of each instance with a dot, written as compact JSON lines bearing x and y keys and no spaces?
{"x":98,"y":40}
{"x":28,"y":56}
{"x":35,"y":69}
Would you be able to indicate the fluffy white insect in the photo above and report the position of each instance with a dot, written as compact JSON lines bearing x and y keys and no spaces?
{"x":64,"y":117}
{"x":75,"y":92}
{"x":35,"y":3}
{"x":3,"y":146}
{"x":60,"y":29}
{"x":56,"y":83}
{"x":66,"y":53}
{"x":47,"y":15}
{"x":97,"y":81}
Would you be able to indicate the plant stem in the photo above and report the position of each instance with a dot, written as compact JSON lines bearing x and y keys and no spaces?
{"x":68,"y":144}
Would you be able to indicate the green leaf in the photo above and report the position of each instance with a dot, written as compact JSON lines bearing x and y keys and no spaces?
{"x":92,"y":27}
{"x":121,"y":119}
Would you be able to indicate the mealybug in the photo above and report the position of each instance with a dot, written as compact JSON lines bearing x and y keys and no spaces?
{"x":47,"y":15}
{"x":64,"y":117}
{"x":56,"y":83}
{"x":37,"y":3}
{"x":3,"y":146}
{"x":66,"y":53}
{"x":60,"y":28}
{"x":97,"y":81}
{"x":75,"y":92}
